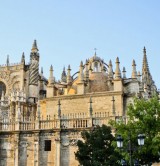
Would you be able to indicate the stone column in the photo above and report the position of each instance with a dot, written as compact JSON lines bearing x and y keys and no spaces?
{"x":18,"y":116}
{"x":16,"y":150}
{"x":58,"y":151}
{"x":36,"y":149}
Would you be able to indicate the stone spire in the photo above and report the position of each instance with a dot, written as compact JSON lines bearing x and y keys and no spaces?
{"x":117,"y":71}
{"x":81,"y":74}
{"x":134,"y":71}
{"x":146,"y":76}
{"x":34,"y":47}
{"x":124,"y":72}
{"x":145,"y":67}
{"x":139,"y":76}
{"x":63,"y":75}
{"x":23,"y":58}
{"x":51,"y":78}
{"x":34,"y":66}
{"x":7,"y":61}
{"x":110,"y":70}
{"x":86,"y":74}
{"x":69,"y":80}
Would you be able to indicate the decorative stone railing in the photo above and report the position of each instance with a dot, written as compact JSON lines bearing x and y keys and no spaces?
{"x":54,"y":124}
{"x":7,"y":126}
{"x":49,"y":124}
{"x":27,"y":125}
{"x":75,"y":123}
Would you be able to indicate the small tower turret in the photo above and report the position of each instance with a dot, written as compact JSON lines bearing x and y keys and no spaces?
{"x":23,"y":58}
{"x":124,"y":73}
{"x":117,"y":70}
{"x":7,"y":61}
{"x":64,"y":76}
{"x":81,"y":74}
{"x":86,"y":74}
{"x":110,"y":70}
{"x":51,"y":87}
{"x":134,"y":71}
{"x":80,"y":82}
{"x":117,"y":80}
{"x":51,"y":78}
{"x":34,"y":73}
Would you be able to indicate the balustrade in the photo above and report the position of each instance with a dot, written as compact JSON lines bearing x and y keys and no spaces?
{"x":64,"y":123}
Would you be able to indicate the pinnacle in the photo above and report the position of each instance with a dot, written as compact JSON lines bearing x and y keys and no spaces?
{"x":124,"y":69}
{"x":117,"y":60}
{"x":133,"y":63}
{"x":51,"y":68}
{"x":69,"y":67}
{"x":144,"y":50}
{"x":110,"y":63}
{"x":34,"y":46}
{"x":81,"y":64}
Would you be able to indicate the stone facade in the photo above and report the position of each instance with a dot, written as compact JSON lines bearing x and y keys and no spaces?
{"x":41,"y":119}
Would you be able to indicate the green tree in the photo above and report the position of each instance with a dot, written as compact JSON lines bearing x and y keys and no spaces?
{"x":143,"y":117}
{"x":96,"y":148}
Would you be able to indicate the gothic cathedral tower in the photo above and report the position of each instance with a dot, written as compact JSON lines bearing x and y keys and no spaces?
{"x":33,"y":73}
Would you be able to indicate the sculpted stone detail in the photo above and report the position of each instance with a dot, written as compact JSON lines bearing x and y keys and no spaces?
{"x":34,"y":74}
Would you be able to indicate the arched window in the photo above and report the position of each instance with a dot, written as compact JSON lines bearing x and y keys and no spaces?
{"x":96,"y":66}
{"x":2,"y":88}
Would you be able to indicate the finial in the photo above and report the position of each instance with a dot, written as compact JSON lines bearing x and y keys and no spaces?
{"x":110,"y":70}
{"x":23,"y":58}
{"x":51,"y":68}
{"x":51,"y":78}
{"x":69,"y":78}
{"x":95,"y":53}
{"x":34,"y":47}
{"x":144,"y":50}
{"x":81,"y":74}
{"x":69,"y":67}
{"x":145,"y":67}
{"x":117,"y":71}
{"x":7,"y":60}
{"x":124,"y":72}
{"x":63,"y":75}
{"x":134,"y":72}
{"x":117,"y":60}
{"x":81,"y":64}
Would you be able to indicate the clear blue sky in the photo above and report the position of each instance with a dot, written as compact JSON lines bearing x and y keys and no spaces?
{"x":67,"y":31}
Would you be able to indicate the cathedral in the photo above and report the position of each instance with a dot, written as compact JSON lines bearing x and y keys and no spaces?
{"x":41,"y":119}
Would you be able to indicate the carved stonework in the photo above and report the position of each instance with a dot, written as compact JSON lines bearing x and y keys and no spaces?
{"x":36,"y":137}
{"x":34,"y":73}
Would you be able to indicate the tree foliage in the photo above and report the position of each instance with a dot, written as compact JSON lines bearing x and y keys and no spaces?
{"x":96,"y":148}
{"x":143,"y":117}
